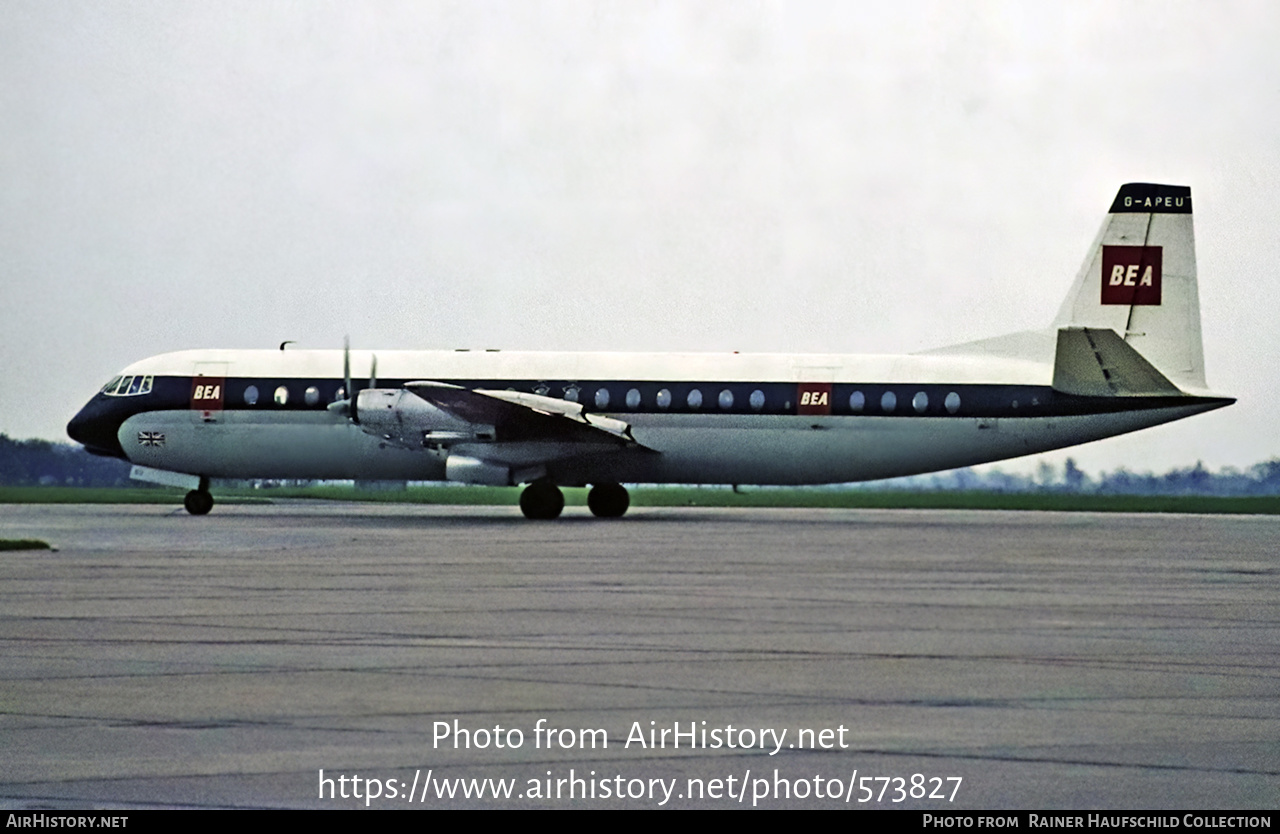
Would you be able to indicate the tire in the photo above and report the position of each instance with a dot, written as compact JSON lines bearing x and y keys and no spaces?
{"x":198,"y":502}
{"x":541,"y":501}
{"x":608,"y":500}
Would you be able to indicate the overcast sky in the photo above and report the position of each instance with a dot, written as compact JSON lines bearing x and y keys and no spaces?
{"x":779,"y":177}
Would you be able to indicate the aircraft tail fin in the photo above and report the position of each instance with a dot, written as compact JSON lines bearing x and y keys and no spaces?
{"x":1139,"y":280}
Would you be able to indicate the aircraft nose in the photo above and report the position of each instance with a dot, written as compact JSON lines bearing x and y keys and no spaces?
{"x":95,"y":428}
{"x":76,"y":429}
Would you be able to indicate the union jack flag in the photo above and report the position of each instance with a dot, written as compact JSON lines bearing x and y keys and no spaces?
{"x":151,"y":438}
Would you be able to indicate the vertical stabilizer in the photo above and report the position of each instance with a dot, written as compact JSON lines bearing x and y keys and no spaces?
{"x":1139,"y":279}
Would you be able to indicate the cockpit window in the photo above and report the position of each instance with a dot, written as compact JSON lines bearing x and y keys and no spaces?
{"x":128,"y":386}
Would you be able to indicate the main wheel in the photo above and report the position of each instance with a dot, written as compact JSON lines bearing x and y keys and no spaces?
{"x":541,"y":501}
{"x":198,"y":502}
{"x":608,"y":500}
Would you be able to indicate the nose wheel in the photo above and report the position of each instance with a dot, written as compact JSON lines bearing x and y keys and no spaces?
{"x":541,"y":501}
{"x":608,"y":500}
{"x":198,"y":502}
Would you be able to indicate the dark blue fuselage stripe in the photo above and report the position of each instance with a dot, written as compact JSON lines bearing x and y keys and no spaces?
{"x":780,"y":398}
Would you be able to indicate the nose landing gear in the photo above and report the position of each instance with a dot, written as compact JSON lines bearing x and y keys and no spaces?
{"x":198,"y":501}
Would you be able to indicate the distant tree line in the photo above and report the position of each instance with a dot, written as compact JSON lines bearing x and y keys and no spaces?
{"x":45,"y":463}
{"x":1259,"y":479}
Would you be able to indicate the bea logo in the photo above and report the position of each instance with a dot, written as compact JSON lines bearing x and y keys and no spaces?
{"x":207,"y":392}
{"x":1131,"y":274}
{"x":814,"y":398}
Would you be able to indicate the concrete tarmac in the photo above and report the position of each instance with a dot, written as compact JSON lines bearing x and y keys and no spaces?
{"x":956,"y":660}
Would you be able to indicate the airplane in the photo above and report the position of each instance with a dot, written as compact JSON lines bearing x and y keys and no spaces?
{"x":1124,"y":353}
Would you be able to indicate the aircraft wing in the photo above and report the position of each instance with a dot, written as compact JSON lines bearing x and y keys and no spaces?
{"x":521,"y":417}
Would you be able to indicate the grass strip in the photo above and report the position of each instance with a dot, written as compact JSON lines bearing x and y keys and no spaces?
{"x":24,"y":544}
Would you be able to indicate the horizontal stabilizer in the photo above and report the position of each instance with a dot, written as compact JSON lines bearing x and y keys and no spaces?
{"x":1096,"y":362}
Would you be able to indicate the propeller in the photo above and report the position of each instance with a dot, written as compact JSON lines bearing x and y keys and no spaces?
{"x":346,"y":366}
{"x":347,"y":405}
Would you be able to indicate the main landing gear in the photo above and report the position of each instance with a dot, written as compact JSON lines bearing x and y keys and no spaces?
{"x":198,"y":501}
{"x":543,"y":501}
{"x":608,"y":500}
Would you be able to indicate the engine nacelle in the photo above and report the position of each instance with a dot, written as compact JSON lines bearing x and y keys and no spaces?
{"x":405,"y":419}
{"x":471,"y":470}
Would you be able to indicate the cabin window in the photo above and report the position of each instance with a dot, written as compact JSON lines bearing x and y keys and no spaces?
{"x":888,"y":402}
{"x":952,"y":402}
{"x":694,"y":399}
{"x":571,"y":393}
{"x":920,"y":402}
{"x":282,"y":395}
{"x":312,"y":396}
{"x":602,"y":398}
{"x":857,"y":401}
{"x":725,"y":399}
{"x":663,"y":399}
{"x":757,"y":399}
{"x":633,"y":398}
{"x":251,"y":395}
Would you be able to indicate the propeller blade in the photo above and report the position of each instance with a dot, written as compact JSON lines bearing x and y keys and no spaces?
{"x":346,"y":366}
{"x":345,"y":404}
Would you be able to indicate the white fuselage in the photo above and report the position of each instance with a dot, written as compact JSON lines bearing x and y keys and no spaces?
{"x":710,"y":418}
